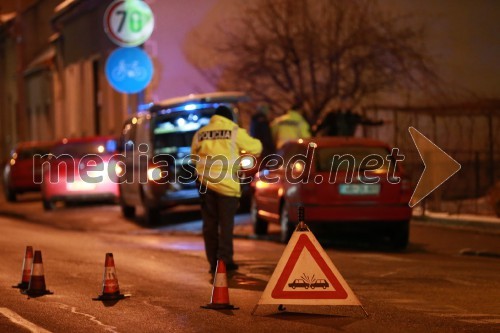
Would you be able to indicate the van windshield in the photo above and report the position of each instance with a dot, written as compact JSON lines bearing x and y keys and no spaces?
{"x":174,"y":133}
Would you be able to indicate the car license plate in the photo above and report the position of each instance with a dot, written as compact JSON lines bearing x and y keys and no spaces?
{"x":80,"y":186}
{"x":359,"y":189}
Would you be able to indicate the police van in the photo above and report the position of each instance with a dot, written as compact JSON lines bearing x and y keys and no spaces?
{"x":156,"y":171}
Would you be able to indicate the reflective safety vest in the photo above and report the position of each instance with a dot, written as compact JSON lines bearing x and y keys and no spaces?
{"x":291,"y":126}
{"x":216,"y":148}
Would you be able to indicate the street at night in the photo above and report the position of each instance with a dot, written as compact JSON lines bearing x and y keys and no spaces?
{"x":249,"y":166}
{"x":433,"y":286}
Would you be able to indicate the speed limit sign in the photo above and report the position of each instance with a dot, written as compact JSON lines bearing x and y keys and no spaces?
{"x":128,"y":23}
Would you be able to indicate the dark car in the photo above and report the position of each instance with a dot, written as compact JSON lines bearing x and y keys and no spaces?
{"x":22,"y":173}
{"x":319,"y":283}
{"x":299,"y":283}
{"x":161,"y":137}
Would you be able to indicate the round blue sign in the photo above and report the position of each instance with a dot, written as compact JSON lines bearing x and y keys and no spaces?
{"x":129,"y":69}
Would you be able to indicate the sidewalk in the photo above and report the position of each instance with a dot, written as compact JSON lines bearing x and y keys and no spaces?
{"x":472,"y":221}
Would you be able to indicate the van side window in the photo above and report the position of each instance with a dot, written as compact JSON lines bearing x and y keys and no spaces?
{"x":142,"y":132}
{"x":127,"y":141}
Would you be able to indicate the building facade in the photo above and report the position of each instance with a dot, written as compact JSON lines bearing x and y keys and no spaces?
{"x":52,"y":82}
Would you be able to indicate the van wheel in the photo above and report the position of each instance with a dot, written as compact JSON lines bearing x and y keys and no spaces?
{"x":260,"y":226}
{"x":48,"y":204}
{"x":400,"y":235}
{"x":127,"y":211}
{"x":10,"y":195}
{"x":152,"y":216}
{"x":287,"y":227}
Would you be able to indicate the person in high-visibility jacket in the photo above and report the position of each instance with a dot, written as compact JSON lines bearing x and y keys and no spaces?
{"x":216,"y":151}
{"x":290,"y":126}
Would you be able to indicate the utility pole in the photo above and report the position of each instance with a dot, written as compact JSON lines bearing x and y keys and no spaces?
{"x":4,"y":123}
{"x":21,"y":113}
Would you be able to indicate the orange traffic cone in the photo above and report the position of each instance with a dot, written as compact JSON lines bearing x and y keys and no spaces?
{"x":110,"y":288}
{"x":220,"y":292}
{"x":26,"y":272}
{"x":37,"y":280}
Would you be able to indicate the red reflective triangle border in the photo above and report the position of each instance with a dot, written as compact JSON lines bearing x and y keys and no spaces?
{"x":279,"y":292}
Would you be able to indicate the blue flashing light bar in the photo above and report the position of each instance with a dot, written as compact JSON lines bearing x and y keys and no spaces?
{"x":190,"y":107}
{"x":145,"y":106}
{"x":187,"y":107}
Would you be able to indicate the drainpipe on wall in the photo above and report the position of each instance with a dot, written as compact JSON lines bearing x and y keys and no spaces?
{"x":21,"y":119}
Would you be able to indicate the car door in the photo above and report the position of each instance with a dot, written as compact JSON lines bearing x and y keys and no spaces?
{"x":270,"y":187}
{"x":128,"y":188}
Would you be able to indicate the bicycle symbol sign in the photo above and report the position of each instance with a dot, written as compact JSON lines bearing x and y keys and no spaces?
{"x":128,"y":23}
{"x":129,"y":70}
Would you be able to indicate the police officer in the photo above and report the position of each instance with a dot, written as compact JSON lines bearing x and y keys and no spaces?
{"x":216,"y":148}
{"x":290,"y":126}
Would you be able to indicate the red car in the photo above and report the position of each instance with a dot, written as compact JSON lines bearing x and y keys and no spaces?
{"x":347,"y":185}
{"x":22,"y":172}
{"x":77,"y":170}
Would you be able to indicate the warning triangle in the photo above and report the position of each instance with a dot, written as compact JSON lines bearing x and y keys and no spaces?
{"x":305,"y":275}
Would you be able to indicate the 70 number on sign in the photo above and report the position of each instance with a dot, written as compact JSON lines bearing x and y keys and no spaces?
{"x":135,"y":21}
{"x":128,"y":22}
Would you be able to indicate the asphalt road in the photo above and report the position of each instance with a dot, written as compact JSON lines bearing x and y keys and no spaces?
{"x":434,"y":286}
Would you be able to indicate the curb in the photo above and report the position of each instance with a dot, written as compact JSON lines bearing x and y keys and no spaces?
{"x":19,"y":216}
{"x":487,"y":254}
{"x":455,"y":222}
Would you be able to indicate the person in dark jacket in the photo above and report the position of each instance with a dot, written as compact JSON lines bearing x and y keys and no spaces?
{"x":260,"y":129}
{"x":343,"y":123}
{"x":220,"y":196}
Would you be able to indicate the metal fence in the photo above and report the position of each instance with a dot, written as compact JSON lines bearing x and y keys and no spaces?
{"x":475,"y":178}
{"x":470,"y":136}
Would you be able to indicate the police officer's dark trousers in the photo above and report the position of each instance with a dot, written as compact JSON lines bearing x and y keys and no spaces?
{"x":218,"y":213}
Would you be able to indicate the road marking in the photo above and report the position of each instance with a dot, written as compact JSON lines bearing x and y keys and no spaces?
{"x":93,"y":319}
{"x":388,"y":274}
{"x":18,"y":320}
{"x":445,"y":311}
{"x":481,"y":321}
{"x":381,"y":257}
{"x":472,"y":318}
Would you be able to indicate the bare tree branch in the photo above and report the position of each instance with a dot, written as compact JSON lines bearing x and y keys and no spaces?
{"x":323,"y":52}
